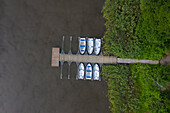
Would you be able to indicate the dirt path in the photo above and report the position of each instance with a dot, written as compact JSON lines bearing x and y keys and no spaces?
{"x":28,"y":30}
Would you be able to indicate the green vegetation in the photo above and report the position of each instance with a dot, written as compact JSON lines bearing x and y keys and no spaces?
{"x":121,"y":16}
{"x":137,"y":29}
{"x":153,"y":28}
{"x":152,"y":83}
{"x":121,"y":89}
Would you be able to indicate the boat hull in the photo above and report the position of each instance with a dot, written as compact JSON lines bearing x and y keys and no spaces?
{"x":88,"y":72}
{"x":82,"y":45}
{"x":96,"y":72}
{"x":90,"y":44}
{"x":81,"y":69}
{"x":97,"y":46}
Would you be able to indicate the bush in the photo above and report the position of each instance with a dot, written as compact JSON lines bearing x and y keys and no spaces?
{"x":153,"y":29}
{"x":152,"y":82}
{"x":121,"y":89}
{"x":137,"y":29}
{"x":121,"y":18}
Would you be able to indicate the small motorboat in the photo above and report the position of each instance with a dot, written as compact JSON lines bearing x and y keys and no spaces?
{"x":88,"y":72}
{"x":81,"y":71}
{"x":97,"y":46}
{"x":82,"y":45}
{"x":90,"y":43}
{"x":96,"y":72}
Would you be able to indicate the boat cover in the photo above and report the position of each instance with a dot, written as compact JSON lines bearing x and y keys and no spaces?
{"x":96,"y":72}
{"x":81,"y":71}
{"x":90,"y":43}
{"x":97,"y":46}
{"x":89,"y":72}
{"x":82,"y":45}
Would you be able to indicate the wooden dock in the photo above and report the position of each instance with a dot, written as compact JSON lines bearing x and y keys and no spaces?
{"x":57,"y":56}
{"x":129,"y":61}
{"x":88,"y":58}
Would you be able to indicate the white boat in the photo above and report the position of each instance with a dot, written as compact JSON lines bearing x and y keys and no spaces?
{"x":97,"y":46}
{"x":88,"y":72}
{"x":81,"y":71}
{"x":90,"y":44}
{"x":82,"y":45}
{"x":96,"y":72}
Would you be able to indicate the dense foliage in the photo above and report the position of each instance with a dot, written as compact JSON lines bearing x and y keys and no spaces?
{"x":137,"y":29}
{"x":153,"y":28}
{"x":121,"y":18}
{"x":138,"y":88}
{"x":122,"y":92}
{"x":152,"y":82}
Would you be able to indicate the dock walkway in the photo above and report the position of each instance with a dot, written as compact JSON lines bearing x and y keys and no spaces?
{"x":57,"y":56}
{"x":88,"y":58}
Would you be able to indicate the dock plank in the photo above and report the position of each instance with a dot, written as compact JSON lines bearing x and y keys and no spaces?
{"x":88,"y":58}
{"x":55,"y":57}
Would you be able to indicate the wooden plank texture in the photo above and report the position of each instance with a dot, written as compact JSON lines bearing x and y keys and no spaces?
{"x":120,"y":60}
{"x":55,"y":57}
{"x":88,"y":58}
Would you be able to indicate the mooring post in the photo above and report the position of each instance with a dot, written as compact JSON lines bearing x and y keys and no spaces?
{"x":78,"y":46}
{"x":69,"y":63}
{"x":77,"y":70}
{"x":70,"y":45}
{"x":62,"y":49}
{"x":61,"y":75}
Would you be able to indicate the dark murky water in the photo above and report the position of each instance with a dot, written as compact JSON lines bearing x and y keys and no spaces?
{"x":28,"y":31}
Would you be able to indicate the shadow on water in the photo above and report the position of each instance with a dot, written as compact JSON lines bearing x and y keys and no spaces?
{"x":73,"y":70}
{"x":28,"y":30}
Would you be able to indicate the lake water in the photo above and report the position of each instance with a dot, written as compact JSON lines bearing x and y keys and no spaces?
{"x":28,"y":31}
